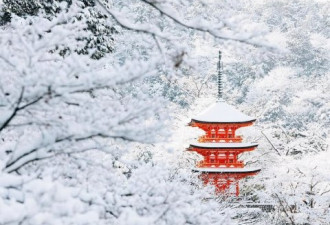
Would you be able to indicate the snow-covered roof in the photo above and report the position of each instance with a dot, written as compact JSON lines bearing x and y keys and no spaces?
{"x":223,"y":145}
{"x":221,"y":112}
{"x":226,"y":170}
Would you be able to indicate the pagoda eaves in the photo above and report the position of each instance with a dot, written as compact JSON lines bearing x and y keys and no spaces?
{"x":222,"y":145}
{"x":222,"y":113}
{"x":227,"y":170}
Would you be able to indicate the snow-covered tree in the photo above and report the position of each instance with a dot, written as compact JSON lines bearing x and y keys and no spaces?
{"x":97,"y":43}
{"x":71,"y":126}
{"x":85,"y":141}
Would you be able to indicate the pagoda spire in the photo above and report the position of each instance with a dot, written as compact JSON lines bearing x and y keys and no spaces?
{"x":220,"y":88}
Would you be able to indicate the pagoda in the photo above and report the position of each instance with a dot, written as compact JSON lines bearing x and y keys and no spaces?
{"x":220,"y":146}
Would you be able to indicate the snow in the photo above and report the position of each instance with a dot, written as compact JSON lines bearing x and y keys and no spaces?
{"x":227,"y":170}
{"x":221,"y":112}
{"x":5,"y":114}
{"x":64,"y":159}
{"x":224,"y":145}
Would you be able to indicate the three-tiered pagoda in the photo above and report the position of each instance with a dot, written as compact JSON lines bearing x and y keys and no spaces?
{"x":220,"y":146}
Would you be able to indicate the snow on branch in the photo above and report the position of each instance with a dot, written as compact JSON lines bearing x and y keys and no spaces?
{"x":222,"y":30}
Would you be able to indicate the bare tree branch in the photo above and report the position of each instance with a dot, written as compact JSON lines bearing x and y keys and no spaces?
{"x":284,"y":209}
{"x":271,"y":143}
{"x":16,"y":109}
{"x":19,"y":108}
{"x":203,"y":29}
{"x":69,"y":138}
{"x":126,"y":25}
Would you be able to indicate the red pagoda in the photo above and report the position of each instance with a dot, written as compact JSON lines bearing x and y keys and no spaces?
{"x":220,"y":146}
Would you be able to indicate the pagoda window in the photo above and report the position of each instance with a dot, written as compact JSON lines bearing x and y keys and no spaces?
{"x":227,"y":158}
{"x":230,"y":133}
{"x":221,"y":155}
{"x":212,"y":158}
{"x":221,"y":158}
{"x":231,"y":158}
{"x":221,"y":131}
{"x":213,"y":133}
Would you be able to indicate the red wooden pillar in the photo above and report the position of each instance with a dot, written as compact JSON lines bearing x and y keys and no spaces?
{"x":237,"y":188}
{"x":226,"y":132}
{"x":217,"y":134}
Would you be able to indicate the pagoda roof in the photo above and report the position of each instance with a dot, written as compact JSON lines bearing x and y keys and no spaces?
{"x":222,"y":112}
{"x":223,"y":145}
{"x":226,"y":170}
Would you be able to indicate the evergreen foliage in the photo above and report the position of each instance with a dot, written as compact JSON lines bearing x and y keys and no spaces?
{"x":99,"y":43}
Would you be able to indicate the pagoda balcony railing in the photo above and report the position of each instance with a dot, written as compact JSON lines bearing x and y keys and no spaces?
{"x":238,"y":164}
{"x":205,"y":138}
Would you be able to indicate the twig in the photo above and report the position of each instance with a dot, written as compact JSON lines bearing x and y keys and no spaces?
{"x":16,"y":109}
{"x":271,"y":143}
{"x":202,"y":29}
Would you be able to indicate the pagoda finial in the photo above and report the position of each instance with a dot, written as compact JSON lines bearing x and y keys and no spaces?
{"x":219,"y":79}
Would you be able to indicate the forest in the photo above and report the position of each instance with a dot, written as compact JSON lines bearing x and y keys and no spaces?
{"x":96,"y":97}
